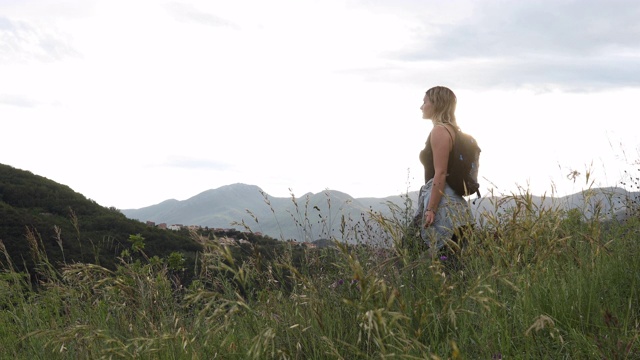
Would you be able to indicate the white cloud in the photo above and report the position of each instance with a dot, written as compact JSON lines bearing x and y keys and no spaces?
{"x":527,"y":28}
{"x":22,"y":42}
{"x":194,"y":163}
{"x":568,"y":45}
{"x":17,"y":100}
{"x":186,"y":12}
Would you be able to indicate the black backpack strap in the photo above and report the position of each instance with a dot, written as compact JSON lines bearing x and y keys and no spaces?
{"x":453,"y":141}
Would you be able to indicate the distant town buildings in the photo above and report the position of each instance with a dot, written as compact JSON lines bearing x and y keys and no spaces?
{"x":224,"y":240}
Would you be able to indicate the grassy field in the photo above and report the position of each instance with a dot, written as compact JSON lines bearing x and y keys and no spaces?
{"x":531,"y":284}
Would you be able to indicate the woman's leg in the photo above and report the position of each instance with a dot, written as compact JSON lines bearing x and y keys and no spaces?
{"x":450,"y":253}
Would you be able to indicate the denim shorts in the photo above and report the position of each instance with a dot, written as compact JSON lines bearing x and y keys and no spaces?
{"x":453,"y":212}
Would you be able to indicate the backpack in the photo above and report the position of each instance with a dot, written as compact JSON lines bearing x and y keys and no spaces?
{"x":464,"y":162}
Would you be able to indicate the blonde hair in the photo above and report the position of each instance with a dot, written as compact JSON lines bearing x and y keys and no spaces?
{"x":444,"y":102}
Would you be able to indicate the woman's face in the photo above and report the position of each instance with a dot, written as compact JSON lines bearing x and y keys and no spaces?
{"x":427,"y":108}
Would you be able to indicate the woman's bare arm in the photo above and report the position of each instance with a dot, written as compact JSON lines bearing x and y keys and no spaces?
{"x":441,"y":144}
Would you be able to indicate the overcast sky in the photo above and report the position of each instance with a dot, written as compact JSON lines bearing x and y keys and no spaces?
{"x":135,"y":102}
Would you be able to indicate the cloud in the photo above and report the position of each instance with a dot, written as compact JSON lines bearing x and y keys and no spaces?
{"x":525,"y":28}
{"x":188,"y":13}
{"x":184,"y":162}
{"x":571,"y":45}
{"x":17,"y":100}
{"x":21,"y":41}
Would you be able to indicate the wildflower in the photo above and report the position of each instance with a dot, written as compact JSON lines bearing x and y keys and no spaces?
{"x":443,"y":258}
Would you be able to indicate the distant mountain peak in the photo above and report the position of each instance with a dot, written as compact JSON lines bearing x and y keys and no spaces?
{"x":239,"y":186}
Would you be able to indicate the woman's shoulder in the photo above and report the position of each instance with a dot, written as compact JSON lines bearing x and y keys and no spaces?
{"x":444,"y":130}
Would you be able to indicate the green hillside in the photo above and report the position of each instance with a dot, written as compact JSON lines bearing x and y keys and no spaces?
{"x":70,"y":227}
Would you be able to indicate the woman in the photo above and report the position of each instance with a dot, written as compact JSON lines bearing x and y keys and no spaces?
{"x":441,"y":212}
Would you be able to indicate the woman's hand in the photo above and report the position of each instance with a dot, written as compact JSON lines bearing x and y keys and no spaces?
{"x":429,"y":217}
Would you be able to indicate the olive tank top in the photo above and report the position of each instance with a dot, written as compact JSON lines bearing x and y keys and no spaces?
{"x":426,"y":158}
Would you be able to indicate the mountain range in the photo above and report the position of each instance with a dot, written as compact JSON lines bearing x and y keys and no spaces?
{"x":242,"y":206}
{"x":334,"y":213}
{"x":31,"y":200}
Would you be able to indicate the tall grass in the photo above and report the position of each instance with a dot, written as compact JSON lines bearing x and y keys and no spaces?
{"x":532,"y":283}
